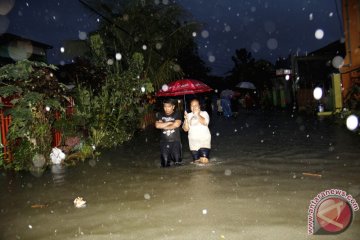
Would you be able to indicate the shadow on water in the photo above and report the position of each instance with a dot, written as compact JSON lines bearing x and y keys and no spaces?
{"x":248,"y":191}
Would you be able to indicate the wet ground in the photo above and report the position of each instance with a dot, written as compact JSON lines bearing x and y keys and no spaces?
{"x":256,"y":186}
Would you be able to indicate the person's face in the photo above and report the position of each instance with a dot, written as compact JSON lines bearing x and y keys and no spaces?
{"x":168,"y":108}
{"x":195,"y":106}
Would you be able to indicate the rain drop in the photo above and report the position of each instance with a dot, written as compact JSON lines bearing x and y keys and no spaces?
{"x":92,"y":163}
{"x":30,"y":226}
{"x":118,"y":56}
{"x":158,"y":46}
{"x":194,"y":34}
{"x":6,"y":6}
{"x":205,"y":34}
{"x":217,"y":134}
{"x":352,"y":122}
{"x":311,"y":16}
{"x":211,"y":58}
{"x":317,"y":93}
{"x":319,"y":34}
{"x":82,"y":35}
{"x":177,"y":68}
{"x":165,"y":87}
{"x":272,"y":43}
{"x":331,"y":14}
{"x":142,"y":89}
{"x":337,"y":62}
{"x":110,"y":62}
{"x":227,"y":172}
{"x":144,"y":47}
{"x":204,"y":211}
{"x":147,"y":196}
{"x":62,"y":49}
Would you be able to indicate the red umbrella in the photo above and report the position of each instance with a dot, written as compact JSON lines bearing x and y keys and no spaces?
{"x":183,"y":87}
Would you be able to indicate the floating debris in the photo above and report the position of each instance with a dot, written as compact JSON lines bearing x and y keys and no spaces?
{"x":39,"y":205}
{"x":312,"y":174}
{"x":79,"y":202}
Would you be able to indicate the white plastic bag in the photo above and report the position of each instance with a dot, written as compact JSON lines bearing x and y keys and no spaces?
{"x":57,"y":156}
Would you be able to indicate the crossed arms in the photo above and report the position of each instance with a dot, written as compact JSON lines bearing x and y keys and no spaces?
{"x":167,"y":125}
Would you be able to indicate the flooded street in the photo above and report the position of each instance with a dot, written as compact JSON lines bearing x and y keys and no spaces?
{"x":254,"y":187}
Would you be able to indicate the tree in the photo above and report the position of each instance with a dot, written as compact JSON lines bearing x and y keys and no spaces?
{"x":160,"y":32}
{"x":246,"y":68}
{"x":243,"y":69}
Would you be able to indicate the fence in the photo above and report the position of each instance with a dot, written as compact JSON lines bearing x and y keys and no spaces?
{"x":6,"y":121}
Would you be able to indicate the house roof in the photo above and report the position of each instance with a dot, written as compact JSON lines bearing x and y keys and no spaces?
{"x":8,"y":37}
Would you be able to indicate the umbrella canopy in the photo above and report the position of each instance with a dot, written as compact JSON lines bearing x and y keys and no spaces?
{"x":183,"y":87}
{"x":227,"y":93}
{"x":246,"y":85}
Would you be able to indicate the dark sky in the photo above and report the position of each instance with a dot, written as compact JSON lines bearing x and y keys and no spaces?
{"x":268,"y":28}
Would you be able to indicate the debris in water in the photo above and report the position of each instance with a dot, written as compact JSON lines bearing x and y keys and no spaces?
{"x":79,"y":202}
{"x":39,"y":205}
{"x":312,"y":174}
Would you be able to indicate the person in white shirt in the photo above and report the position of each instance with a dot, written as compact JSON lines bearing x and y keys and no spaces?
{"x":196,"y":124}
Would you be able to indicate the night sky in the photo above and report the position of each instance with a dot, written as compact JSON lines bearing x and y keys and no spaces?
{"x":269,"y":29}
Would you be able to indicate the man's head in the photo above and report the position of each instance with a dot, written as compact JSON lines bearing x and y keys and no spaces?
{"x":169,"y":106}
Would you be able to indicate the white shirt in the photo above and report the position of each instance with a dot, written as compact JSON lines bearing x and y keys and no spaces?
{"x":199,"y":134}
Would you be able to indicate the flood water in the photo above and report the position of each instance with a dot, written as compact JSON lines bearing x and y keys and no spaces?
{"x":254,"y":188}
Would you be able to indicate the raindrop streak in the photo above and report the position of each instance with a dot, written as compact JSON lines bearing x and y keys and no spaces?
{"x":311,"y":16}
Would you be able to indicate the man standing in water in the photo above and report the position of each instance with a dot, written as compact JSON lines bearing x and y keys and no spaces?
{"x":169,"y":122}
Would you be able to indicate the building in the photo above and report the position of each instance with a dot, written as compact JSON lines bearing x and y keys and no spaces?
{"x":350,"y":71}
{"x":14,"y":48}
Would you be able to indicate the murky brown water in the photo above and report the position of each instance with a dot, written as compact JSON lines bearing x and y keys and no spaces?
{"x":253,"y":189}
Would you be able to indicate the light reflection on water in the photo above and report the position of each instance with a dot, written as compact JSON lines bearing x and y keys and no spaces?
{"x":58,"y":174}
